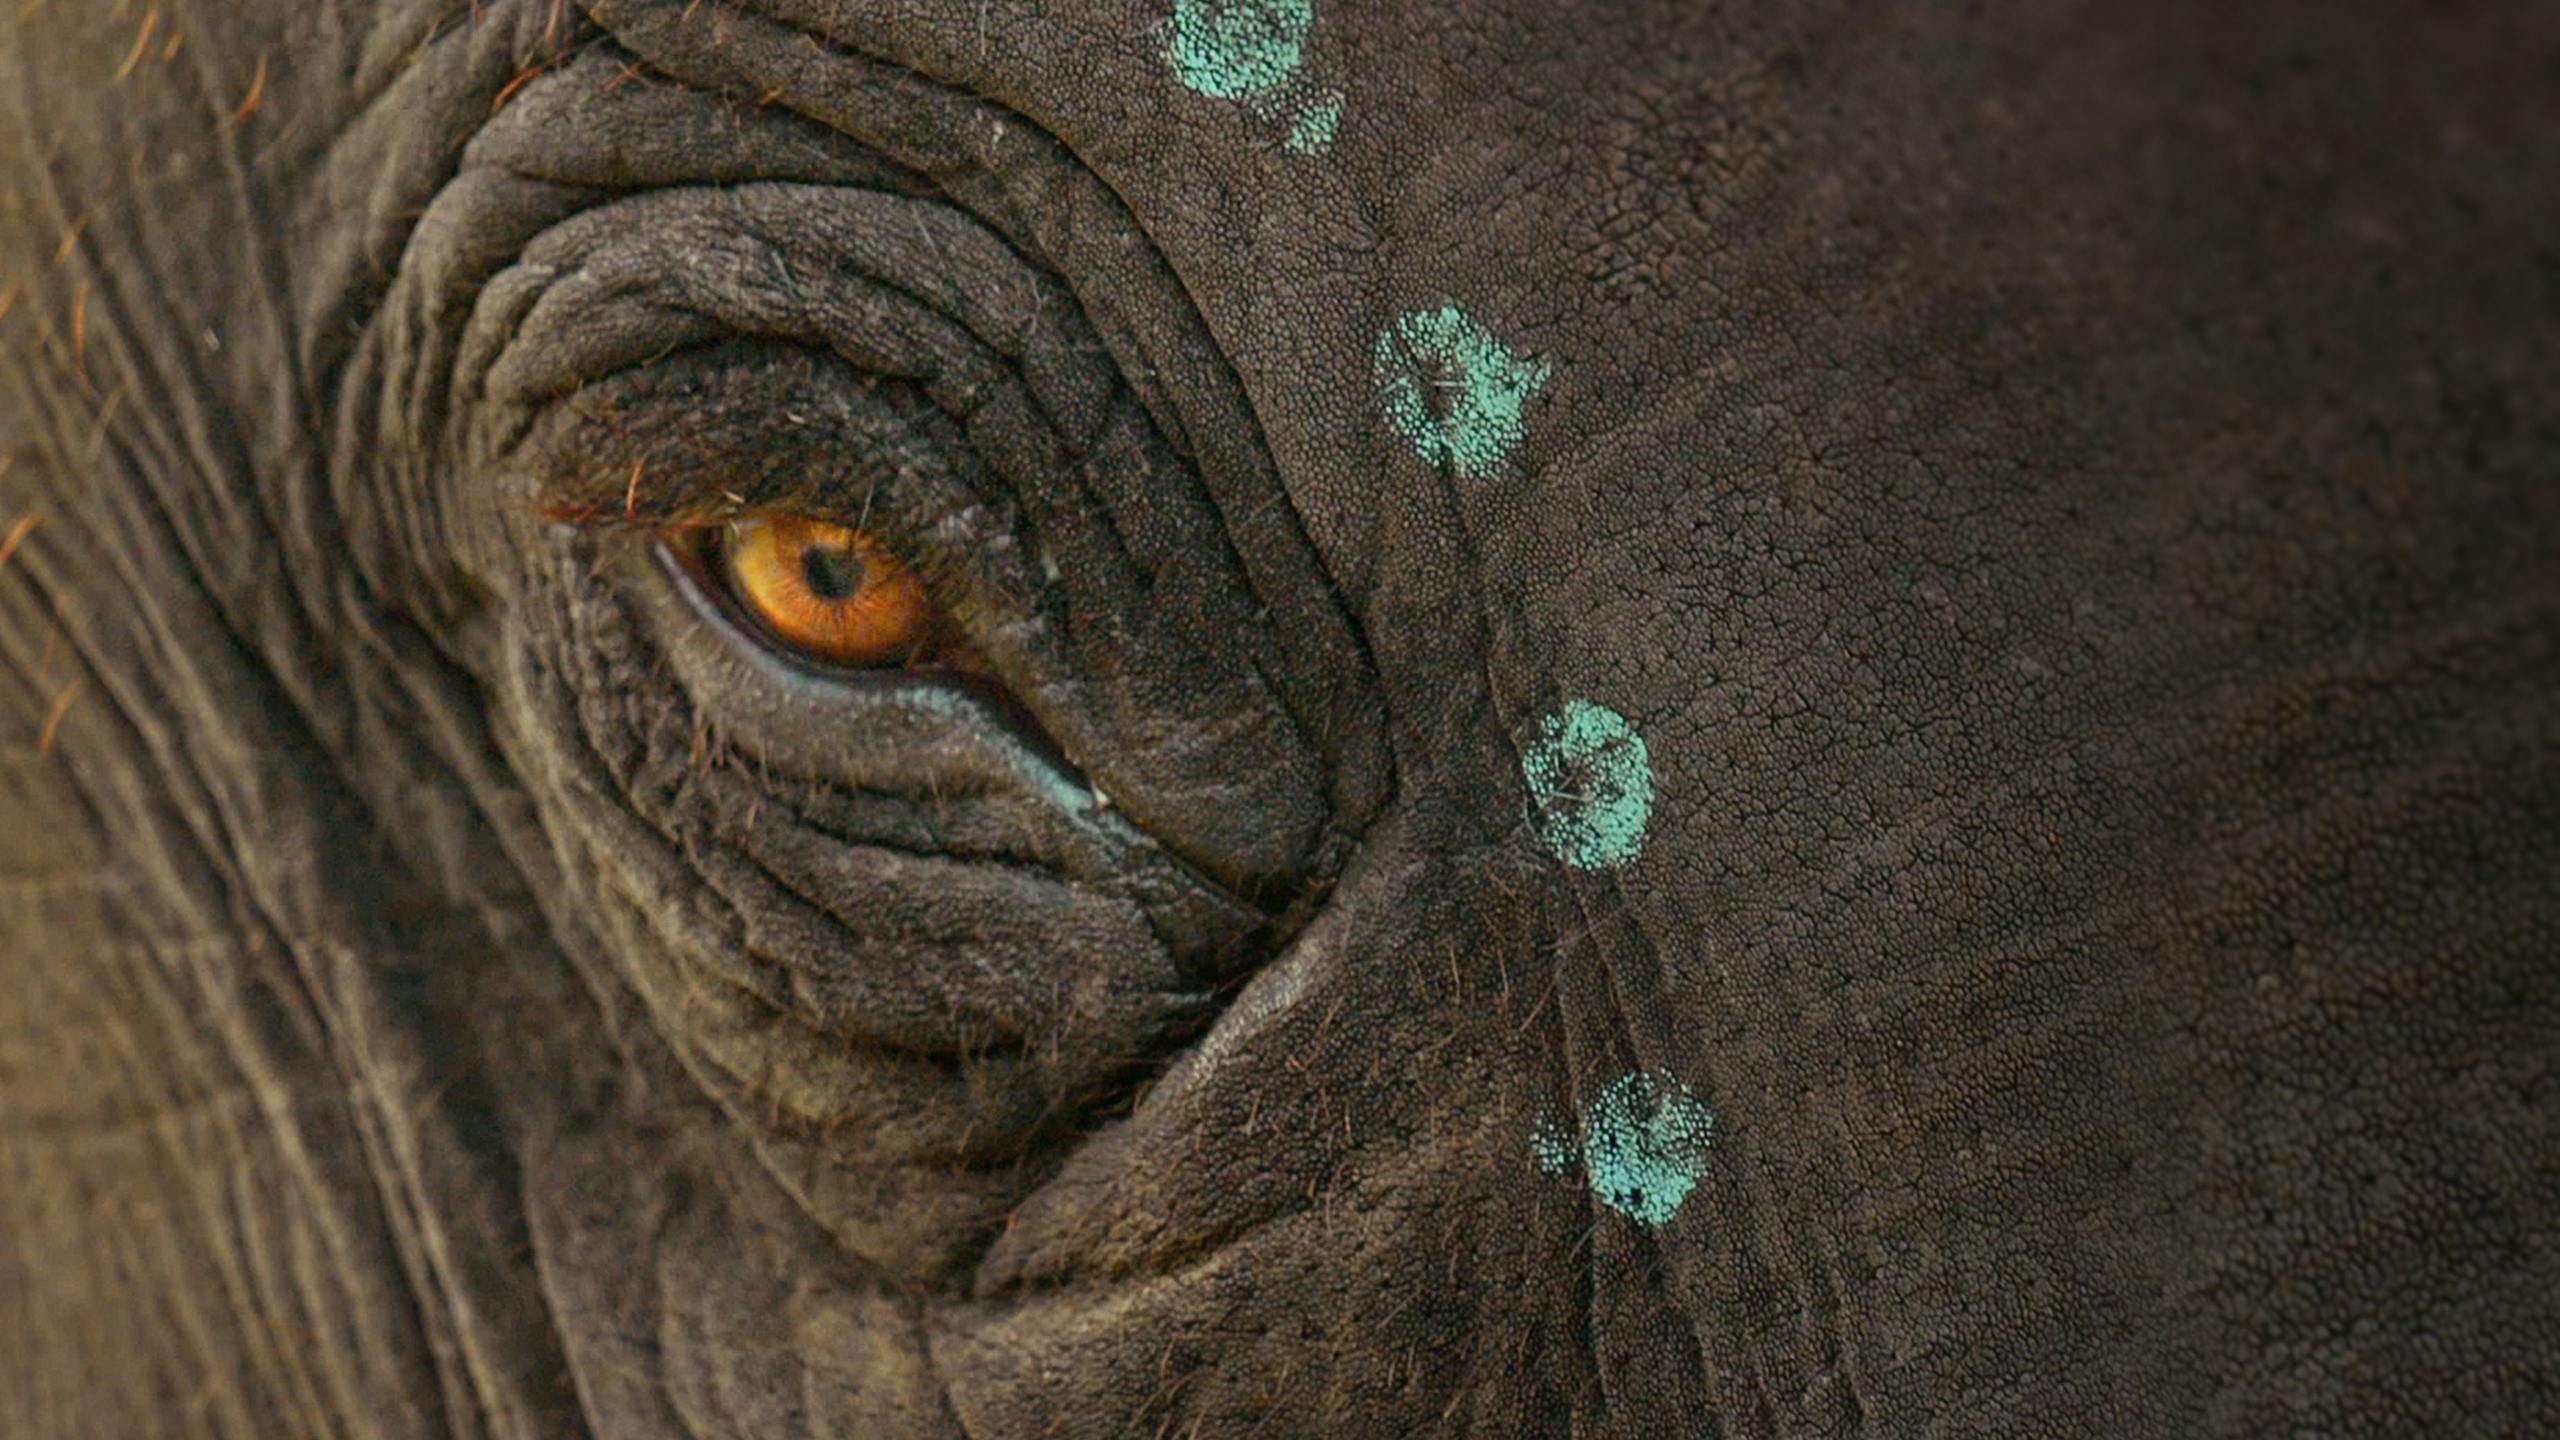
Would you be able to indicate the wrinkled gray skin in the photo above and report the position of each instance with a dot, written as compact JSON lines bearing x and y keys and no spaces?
{"x":2068,"y":497}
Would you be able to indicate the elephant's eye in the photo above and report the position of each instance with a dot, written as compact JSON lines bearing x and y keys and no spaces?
{"x":824,"y":592}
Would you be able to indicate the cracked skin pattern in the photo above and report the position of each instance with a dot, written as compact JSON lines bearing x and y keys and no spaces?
{"x":2063,"y":491}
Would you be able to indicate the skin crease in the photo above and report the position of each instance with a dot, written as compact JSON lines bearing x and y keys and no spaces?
{"x":2062,"y":493}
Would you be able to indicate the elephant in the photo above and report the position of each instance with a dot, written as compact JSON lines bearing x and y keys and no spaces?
{"x":1094,"y":718}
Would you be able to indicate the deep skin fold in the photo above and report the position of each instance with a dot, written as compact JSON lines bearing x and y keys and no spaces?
{"x":2065,"y":501}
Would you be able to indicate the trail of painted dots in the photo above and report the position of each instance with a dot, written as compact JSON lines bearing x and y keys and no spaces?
{"x":1644,"y":1136}
{"x":1458,"y":395}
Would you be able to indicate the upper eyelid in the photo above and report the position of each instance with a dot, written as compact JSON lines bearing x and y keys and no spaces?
{"x":705,"y":436}
{"x":612,"y":287}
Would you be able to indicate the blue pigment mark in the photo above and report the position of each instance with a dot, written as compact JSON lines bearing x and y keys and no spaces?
{"x":1316,"y":124}
{"x":1234,"y":48}
{"x":1454,"y":390}
{"x":1552,"y":1146}
{"x":1057,"y":786}
{"x":1591,"y":785}
{"x":1644,"y":1146}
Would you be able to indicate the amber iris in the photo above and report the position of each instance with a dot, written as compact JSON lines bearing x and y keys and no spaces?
{"x":829,"y":590}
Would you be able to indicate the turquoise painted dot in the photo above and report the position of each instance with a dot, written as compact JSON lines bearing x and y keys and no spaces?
{"x":1552,"y":1146}
{"x":1454,"y":390}
{"x":1234,"y":48}
{"x":1644,"y":1145}
{"x":1316,"y":124}
{"x":1591,"y":786}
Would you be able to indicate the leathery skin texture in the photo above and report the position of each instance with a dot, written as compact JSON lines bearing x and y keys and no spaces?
{"x":1697,"y":719}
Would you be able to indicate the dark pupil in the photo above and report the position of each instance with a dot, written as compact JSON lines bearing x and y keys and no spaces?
{"x":832,"y":572}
